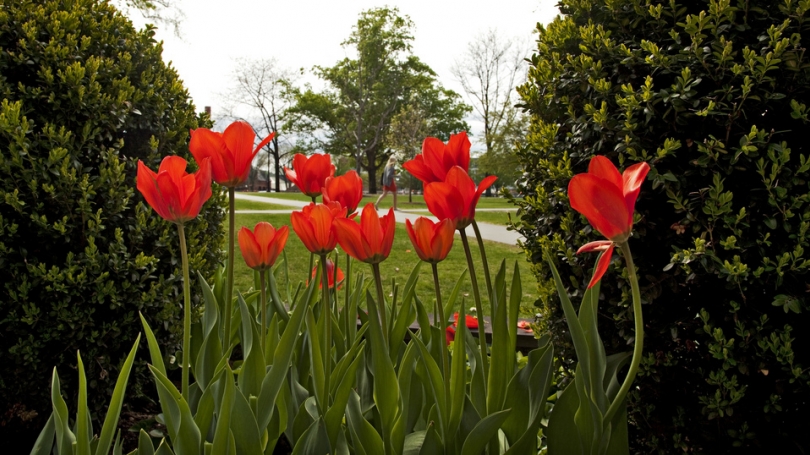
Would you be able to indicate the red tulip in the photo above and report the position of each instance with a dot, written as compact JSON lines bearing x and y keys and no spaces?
{"x":175,"y":195}
{"x":347,"y":189}
{"x":309,"y":173}
{"x":449,"y":334}
{"x":330,"y":272}
{"x":261,"y":247}
{"x":437,"y":158}
{"x":456,"y":197}
{"x":231,"y":152}
{"x":313,"y":224}
{"x":607,"y":199}
{"x":371,"y":240}
{"x":432,"y":241}
{"x":470,"y":321}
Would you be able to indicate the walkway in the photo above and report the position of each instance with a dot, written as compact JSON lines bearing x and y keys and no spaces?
{"x":493,"y":232}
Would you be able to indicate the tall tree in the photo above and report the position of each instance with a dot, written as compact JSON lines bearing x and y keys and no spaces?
{"x":159,"y":12}
{"x":353,"y":115}
{"x":435,"y":112}
{"x":488,"y":72}
{"x":262,"y":89}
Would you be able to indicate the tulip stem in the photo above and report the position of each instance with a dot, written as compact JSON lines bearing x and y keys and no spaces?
{"x":263,"y":333}
{"x":350,"y":318}
{"x":482,"y":335}
{"x":186,"y":313}
{"x":226,"y":339}
{"x":326,"y":312}
{"x":639,"y":335}
{"x":443,"y":326}
{"x":380,"y":300}
{"x":486,"y":268}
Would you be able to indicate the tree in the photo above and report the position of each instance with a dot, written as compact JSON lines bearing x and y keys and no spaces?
{"x":353,"y":115}
{"x":85,"y":96}
{"x":264,"y":89}
{"x":713,"y":96}
{"x":160,"y":12}
{"x":434,"y":112}
{"x":502,"y":160}
{"x":488,"y":72}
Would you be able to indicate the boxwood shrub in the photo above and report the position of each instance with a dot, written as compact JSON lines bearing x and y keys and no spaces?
{"x":714,"y":96}
{"x":84,"y":96}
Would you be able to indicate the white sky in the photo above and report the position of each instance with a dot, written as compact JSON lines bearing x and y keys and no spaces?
{"x":304,"y":33}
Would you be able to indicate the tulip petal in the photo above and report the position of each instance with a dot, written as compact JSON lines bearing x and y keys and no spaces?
{"x":443,"y":200}
{"x":603,"y":168}
{"x":420,"y":170}
{"x":599,"y":245}
{"x":370,"y":227}
{"x":209,"y":144}
{"x":632,"y":179}
{"x":442,"y":240}
{"x":304,"y":229}
{"x":388,"y":227}
{"x":349,"y":237}
{"x":459,"y":147}
{"x":602,"y":204}
{"x":251,"y":252}
{"x":601,"y":265}
{"x":239,"y":137}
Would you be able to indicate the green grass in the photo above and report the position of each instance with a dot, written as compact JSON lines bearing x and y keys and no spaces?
{"x":399,"y":265}
{"x":496,"y":217}
{"x":242,"y":204}
{"x":495,"y":202}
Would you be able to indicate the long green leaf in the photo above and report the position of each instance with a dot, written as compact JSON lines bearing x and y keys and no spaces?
{"x":187,"y":439}
{"x":245,"y":431}
{"x":64,"y":437}
{"x":458,"y":379}
{"x":210,"y":316}
{"x":563,"y":436}
{"x":486,"y":429}
{"x":336,"y":412}
{"x":366,"y":439}
{"x":44,"y":442}
{"x":316,"y":362}
{"x":82,"y":415}
{"x":145,"y":446}
{"x":386,"y":386}
{"x":281,"y":364}
{"x":499,"y":372}
{"x":436,"y":384}
{"x":154,"y":348}
{"x":451,"y":300}
{"x":223,"y":429}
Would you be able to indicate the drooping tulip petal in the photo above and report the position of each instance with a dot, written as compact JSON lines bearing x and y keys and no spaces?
{"x":313,"y":225}
{"x":309,"y":174}
{"x":174,"y":194}
{"x":347,"y":189}
{"x":371,"y":240}
{"x":261,"y":247}
{"x":231,"y":152}
{"x":602,"y":265}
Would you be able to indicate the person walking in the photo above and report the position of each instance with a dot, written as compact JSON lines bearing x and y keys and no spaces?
{"x":389,"y":182}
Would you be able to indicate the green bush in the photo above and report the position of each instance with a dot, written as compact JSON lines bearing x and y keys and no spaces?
{"x":84,"y":96}
{"x":712,"y":94}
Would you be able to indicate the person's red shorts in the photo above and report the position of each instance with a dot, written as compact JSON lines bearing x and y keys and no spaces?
{"x":392,"y":188}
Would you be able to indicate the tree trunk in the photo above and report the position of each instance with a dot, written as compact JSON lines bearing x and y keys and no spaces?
{"x":278,"y":166}
{"x":372,"y":179}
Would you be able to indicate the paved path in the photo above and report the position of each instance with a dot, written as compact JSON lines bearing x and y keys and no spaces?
{"x":493,"y":232}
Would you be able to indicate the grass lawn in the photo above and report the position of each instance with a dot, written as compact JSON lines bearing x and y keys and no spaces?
{"x":499,"y":217}
{"x":495,"y":202}
{"x":399,"y":265}
{"x":242,"y":204}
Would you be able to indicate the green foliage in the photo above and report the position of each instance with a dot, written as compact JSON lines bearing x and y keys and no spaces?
{"x":84,"y":96}
{"x":712,"y":94}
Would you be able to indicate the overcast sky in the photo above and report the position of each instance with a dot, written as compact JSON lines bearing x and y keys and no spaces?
{"x":304,"y":33}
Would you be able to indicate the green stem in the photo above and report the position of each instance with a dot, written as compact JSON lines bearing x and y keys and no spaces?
{"x":186,"y":313}
{"x":443,"y":326}
{"x":482,"y":335}
{"x":263,"y":333}
{"x":226,"y":340}
{"x":639,"y":335}
{"x":380,"y":300}
{"x":486,"y":267}
{"x":326,"y":312}
{"x":350,"y":318}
